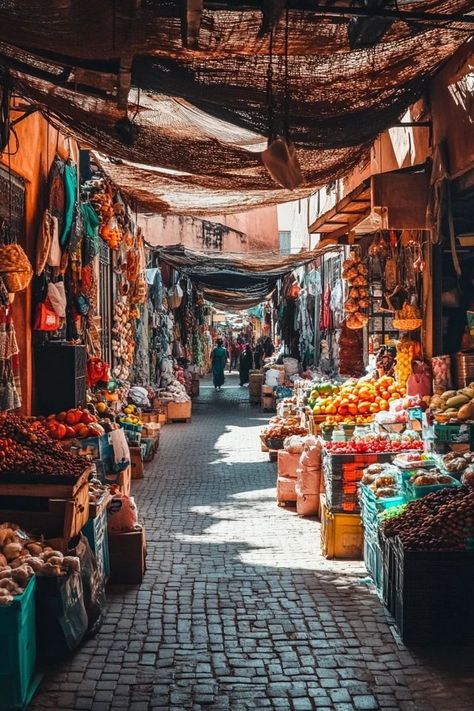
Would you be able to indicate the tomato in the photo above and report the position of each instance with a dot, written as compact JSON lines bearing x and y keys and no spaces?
{"x":87,"y":418}
{"x":73,"y":417}
{"x":70,"y":433}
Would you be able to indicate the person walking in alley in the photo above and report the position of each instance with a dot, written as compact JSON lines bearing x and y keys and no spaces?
{"x":245,"y":365}
{"x":218,"y":359}
{"x":259,"y":354}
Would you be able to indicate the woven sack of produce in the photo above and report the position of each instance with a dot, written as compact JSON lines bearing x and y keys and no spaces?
{"x":287,"y":464}
{"x":309,"y":480}
{"x":285,"y":489}
{"x":307,"y":505}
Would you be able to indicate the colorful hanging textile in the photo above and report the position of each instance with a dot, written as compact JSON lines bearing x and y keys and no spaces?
{"x":10,"y":388}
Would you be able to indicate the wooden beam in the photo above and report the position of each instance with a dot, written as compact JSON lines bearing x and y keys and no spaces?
{"x":341,"y":205}
{"x":192,"y":23}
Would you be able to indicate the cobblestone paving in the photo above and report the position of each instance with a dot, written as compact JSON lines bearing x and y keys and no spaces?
{"x":238,"y":610}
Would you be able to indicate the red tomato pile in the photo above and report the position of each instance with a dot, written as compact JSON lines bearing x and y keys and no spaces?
{"x":374,"y":444}
{"x":73,"y":423}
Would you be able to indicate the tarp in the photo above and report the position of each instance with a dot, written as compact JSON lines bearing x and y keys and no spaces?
{"x":199,"y":118}
{"x":234,"y":280}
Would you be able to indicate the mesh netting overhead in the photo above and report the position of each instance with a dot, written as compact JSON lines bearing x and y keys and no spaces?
{"x":204,"y":114}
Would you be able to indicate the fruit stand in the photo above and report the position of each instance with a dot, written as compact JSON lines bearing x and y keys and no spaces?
{"x":402,"y":502}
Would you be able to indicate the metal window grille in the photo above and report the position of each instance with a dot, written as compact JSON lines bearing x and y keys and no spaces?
{"x":12,"y":205}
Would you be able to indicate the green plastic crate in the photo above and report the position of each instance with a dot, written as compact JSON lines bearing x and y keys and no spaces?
{"x":455,"y":434}
{"x":18,"y":680}
{"x":416,"y":492}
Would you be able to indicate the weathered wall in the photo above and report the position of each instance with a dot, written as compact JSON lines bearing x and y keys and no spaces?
{"x":249,"y":231}
{"x":37,"y":148}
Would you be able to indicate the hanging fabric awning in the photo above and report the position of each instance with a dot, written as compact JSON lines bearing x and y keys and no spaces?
{"x":235,"y":280}
{"x":185,"y":122}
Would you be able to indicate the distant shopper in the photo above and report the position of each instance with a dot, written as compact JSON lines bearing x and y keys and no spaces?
{"x":218,"y":359}
{"x":268,"y":347}
{"x":259,"y":354}
{"x":246,"y":365}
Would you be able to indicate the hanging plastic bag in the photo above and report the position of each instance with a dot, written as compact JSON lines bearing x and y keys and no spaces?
{"x":175,"y":296}
{"x":57,"y":297}
{"x":46,"y":318}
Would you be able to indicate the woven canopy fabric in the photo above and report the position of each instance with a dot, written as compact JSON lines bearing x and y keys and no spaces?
{"x":198,"y":119}
{"x":235,"y":280}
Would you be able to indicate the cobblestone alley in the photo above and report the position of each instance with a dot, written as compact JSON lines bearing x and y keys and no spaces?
{"x":238,"y":610}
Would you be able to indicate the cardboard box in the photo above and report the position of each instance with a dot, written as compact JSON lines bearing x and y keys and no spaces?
{"x":136,"y":462}
{"x":127,"y":554}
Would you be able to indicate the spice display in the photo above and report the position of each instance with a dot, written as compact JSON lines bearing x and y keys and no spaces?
{"x":442,"y":520}
{"x":28,"y":451}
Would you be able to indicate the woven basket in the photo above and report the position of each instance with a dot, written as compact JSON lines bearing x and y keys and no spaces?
{"x":407,"y":324}
{"x":15,"y":267}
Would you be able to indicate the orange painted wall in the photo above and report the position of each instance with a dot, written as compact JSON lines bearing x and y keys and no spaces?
{"x":260,"y":226}
{"x":37,"y":148}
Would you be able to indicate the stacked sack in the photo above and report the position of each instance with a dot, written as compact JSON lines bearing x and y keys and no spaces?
{"x":288,"y":463}
{"x":308,"y":478}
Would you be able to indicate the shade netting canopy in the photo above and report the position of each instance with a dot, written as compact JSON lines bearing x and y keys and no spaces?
{"x":197,"y":118}
{"x":236,"y":281}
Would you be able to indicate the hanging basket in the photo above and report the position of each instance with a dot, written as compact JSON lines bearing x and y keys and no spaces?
{"x":407,"y":324}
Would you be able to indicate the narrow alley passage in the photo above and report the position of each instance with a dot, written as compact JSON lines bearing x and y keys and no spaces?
{"x":238,"y":610}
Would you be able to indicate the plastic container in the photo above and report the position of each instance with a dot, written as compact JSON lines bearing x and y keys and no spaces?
{"x":416,"y":492}
{"x":431,"y":594}
{"x":18,"y":681}
{"x":373,"y":559}
{"x":341,"y":533}
{"x":456,"y":434}
{"x":377,"y":504}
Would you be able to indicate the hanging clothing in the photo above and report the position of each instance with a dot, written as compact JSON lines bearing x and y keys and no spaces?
{"x":218,"y":359}
{"x":10,"y":388}
{"x":70,"y":197}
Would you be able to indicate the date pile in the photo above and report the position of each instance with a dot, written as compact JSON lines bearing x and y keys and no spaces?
{"x":27,"y":449}
{"x":439,"y":521}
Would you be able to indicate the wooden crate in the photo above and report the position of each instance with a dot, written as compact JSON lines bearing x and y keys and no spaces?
{"x":55,"y":490}
{"x":48,"y":516}
{"x":179,"y":411}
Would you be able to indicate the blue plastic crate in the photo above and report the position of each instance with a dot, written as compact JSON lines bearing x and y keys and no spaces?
{"x":18,"y":680}
{"x":97,"y":447}
{"x":373,"y":560}
{"x":96,"y":533}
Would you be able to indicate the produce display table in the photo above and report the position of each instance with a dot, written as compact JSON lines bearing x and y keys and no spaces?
{"x":55,"y":510}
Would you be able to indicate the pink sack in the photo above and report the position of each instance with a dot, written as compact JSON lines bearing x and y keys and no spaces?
{"x":308,"y":481}
{"x":287,"y":463}
{"x":285,"y":489}
{"x":311,"y":456}
{"x":307,"y":505}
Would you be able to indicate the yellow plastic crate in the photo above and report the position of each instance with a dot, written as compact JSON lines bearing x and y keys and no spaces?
{"x":341,"y":533}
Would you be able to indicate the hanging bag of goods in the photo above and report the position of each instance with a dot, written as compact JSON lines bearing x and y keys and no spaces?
{"x":15,"y":267}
